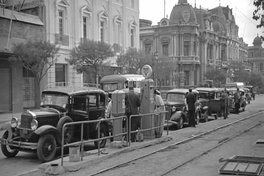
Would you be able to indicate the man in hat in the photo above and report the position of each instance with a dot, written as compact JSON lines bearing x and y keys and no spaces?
{"x":190,"y":100}
{"x":132,"y":103}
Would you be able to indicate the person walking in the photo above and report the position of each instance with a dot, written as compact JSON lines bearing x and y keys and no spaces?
{"x":159,"y":107}
{"x":190,"y":100}
{"x":237,"y":101}
{"x":132,"y":104}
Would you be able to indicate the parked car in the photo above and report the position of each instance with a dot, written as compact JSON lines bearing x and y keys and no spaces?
{"x":40,"y":130}
{"x":211,"y":97}
{"x":175,"y":105}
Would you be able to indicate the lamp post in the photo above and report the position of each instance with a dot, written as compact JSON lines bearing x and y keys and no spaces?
{"x":154,"y":59}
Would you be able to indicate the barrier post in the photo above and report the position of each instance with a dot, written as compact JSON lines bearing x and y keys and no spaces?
{"x":62,"y":144}
{"x":82,"y":142}
{"x":98,"y":134}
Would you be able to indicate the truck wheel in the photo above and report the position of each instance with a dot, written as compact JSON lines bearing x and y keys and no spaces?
{"x":6,"y":149}
{"x":103,"y":133}
{"x":46,"y":148}
{"x":68,"y":130}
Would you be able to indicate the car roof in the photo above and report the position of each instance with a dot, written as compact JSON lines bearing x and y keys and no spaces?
{"x":207,"y":89}
{"x":121,"y":78}
{"x":183,"y":91}
{"x":69,"y":90}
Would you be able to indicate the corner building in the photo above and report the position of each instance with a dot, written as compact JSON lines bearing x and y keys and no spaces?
{"x":193,"y":40}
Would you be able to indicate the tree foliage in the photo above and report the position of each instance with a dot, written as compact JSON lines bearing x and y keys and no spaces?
{"x":217,"y":75}
{"x":90,"y":54}
{"x":258,"y":13}
{"x":238,"y":73}
{"x":132,"y":60}
{"x":162,"y":69}
{"x":256,"y":79}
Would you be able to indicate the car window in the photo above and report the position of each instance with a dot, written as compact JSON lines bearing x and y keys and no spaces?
{"x":176,"y":97}
{"x":79,"y":103}
{"x":54,"y":99}
{"x":92,"y":101}
{"x":101,"y":100}
{"x":204,"y":95}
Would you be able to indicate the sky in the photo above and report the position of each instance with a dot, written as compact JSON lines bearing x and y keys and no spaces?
{"x":242,"y":10}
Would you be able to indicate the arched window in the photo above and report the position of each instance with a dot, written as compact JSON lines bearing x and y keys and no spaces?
{"x":86,"y":15}
{"x":132,"y":30}
{"x":103,"y":19}
{"x":61,"y":7}
{"x":118,"y":29}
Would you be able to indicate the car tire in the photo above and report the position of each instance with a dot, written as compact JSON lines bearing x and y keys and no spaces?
{"x":46,"y":148}
{"x":180,"y":124}
{"x":103,"y":133}
{"x":69,"y":130}
{"x":6,"y":150}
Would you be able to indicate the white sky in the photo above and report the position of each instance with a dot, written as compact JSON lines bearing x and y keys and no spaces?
{"x":242,"y":10}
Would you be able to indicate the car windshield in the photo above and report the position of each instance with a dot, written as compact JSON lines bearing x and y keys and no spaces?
{"x":54,"y":99}
{"x":204,"y":95}
{"x":176,"y":97}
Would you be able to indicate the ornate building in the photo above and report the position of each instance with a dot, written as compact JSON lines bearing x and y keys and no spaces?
{"x":67,"y":22}
{"x":256,"y":56}
{"x":192,"y":39}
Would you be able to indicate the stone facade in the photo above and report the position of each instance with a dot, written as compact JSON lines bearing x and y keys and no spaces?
{"x":256,"y":56}
{"x":23,"y":27}
{"x":67,"y":22}
{"x":192,"y":39}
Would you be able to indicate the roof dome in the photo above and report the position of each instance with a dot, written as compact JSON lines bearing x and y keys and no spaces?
{"x":182,"y":13}
{"x":257,"y":41}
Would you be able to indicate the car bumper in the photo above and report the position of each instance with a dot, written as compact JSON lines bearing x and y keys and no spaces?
{"x":19,"y":144}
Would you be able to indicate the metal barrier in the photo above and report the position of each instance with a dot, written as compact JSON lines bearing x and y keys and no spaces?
{"x":127,"y":133}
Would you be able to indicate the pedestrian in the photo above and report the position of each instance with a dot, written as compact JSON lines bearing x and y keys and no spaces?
{"x":132,"y":104}
{"x":237,"y":101}
{"x":159,"y":107}
{"x":190,"y":100}
{"x":224,"y":101}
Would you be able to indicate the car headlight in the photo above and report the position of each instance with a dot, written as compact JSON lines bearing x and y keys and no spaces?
{"x":173,"y":109}
{"x":34,"y":124}
{"x":14,"y":122}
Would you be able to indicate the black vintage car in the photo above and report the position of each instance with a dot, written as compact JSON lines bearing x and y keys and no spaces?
{"x":40,"y":130}
{"x":175,"y":105}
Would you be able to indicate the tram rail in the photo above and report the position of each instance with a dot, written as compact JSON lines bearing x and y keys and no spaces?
{"x":178,"y":143}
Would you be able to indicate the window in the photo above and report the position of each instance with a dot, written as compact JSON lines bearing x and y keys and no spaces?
{"x":118,"y":30}
{"x":103,"y":17}
{"x":86,"y":14}
{"x":165,"y":49}
{"x":61,"y":24}
{"x":194,"y":48}
{"x":60,"y":73}
{"x":102,"y":30}
{"x":186,"y":74}
{"x":132,"y":37}
{"x":79,"y":103}
{"x":186,"y":48}
{"x":85,"y":27}
{"x":92,"y":100}
{"x":147,"y":48}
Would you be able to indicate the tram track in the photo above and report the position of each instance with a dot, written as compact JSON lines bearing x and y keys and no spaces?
{"x":185,"y":141}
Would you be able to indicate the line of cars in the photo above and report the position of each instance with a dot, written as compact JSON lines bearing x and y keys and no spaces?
{"x":209,"y":104}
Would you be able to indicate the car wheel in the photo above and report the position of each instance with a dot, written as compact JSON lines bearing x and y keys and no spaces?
{"x":103,"y":133}
{"x":46,"y":148}
{"x":68,"y":130}
{"x":6,"y":149}
{"x":180,"y":123}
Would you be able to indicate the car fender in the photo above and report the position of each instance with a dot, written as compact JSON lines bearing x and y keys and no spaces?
{"x":45,"y":129}
{"x":7,"y":127}
{"x":205,"y":108}
{"x":176,"y":116}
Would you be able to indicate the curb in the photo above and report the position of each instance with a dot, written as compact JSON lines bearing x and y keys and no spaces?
{"x":75,"y":166}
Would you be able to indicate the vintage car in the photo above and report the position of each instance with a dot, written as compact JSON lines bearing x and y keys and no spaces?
{"x":211,"y":97}
{"x":175,"y":105}
{"x":243,"y":102}
{"x":40,"y":130}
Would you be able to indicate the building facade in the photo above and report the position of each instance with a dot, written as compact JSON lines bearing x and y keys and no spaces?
{"x":68,"y":22}
{"x":193,"y":40}
{"x":256,"y":56}
{"x":17,"y":87}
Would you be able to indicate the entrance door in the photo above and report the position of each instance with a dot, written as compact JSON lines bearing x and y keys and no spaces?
{"x":5,"y":90}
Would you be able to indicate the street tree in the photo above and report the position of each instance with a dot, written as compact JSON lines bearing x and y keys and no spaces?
{"x":37,"y":57}
{"x":89,"y":56}
{"x":217,"y":75}
{"x":238,"y":72}
{"x":163,"y":68}
{"x":258,"y":13}
{"x":132,"y":60}
{"x":256,"y":79}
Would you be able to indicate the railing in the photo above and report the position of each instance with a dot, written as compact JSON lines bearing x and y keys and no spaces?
{"x":127,"y":133}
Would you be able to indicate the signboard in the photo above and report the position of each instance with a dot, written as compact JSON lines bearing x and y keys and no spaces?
{"x":146,"y":71}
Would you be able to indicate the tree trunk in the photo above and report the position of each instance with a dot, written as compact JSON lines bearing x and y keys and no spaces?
{"x":37,"y":93}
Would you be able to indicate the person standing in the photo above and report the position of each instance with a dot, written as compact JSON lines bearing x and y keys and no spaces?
{"x":224,"y":100}
{"x":132,"y":104}
{"x":159,"y":107}
{"x":190,"y":100}
{"x":237,"y":101}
